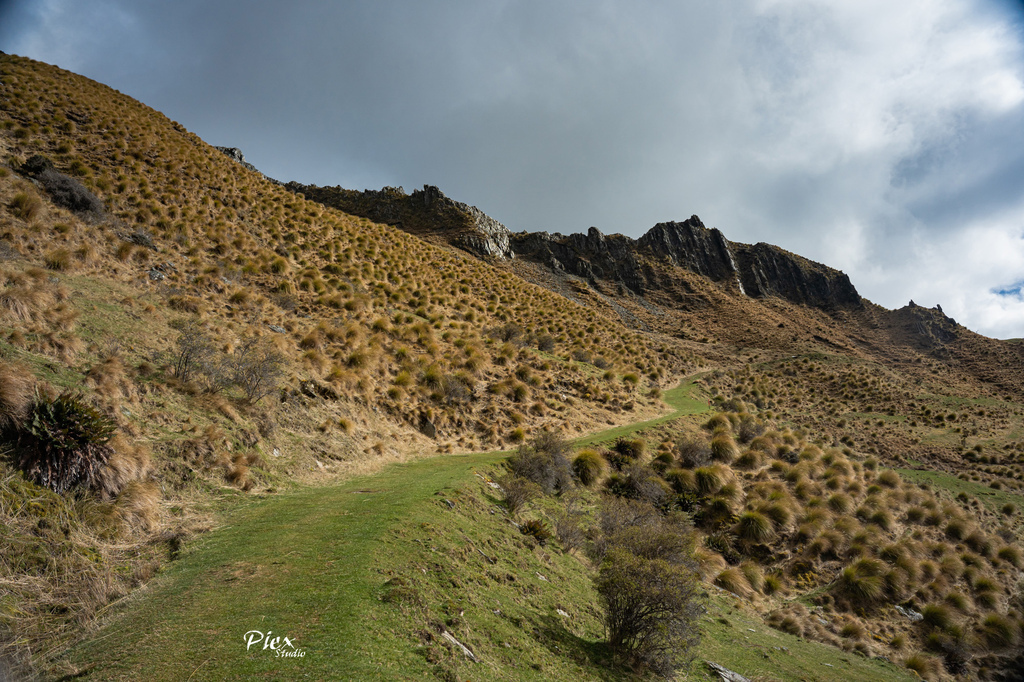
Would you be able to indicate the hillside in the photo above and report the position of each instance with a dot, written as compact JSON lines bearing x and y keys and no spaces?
{"x":221,"y":340}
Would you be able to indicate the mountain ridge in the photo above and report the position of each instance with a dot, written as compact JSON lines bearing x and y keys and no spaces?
{"x":758,"y":270}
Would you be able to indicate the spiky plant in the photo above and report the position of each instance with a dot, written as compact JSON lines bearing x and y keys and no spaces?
{"x":64,"y":442}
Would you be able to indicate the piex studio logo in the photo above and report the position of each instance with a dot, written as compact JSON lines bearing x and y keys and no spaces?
{"x":283,"y":647}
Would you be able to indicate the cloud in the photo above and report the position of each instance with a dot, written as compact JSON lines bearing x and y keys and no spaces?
{"x":876,"y":137}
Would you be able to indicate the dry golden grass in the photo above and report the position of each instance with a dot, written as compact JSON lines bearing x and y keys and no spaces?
{"x":16,"y":393}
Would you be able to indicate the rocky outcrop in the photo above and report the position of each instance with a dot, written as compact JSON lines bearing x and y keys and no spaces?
{"x":767,"y":270}
{"x":692,"y":246}
{"x":238,"y":157}
{"x":930,"y":327}
{"x":485,"y":237}
{"x":760,"y":271}
{"x":592,"y":255}
{"x":425,"y":213}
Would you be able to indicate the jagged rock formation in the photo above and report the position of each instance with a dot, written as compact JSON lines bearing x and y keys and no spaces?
{"x":767,"y":270}
{"x":592,"y":255}
{"x":236,"y":154}
{"x":930,"y":327}
{"x":426,"y":212}
{"x":692,"y":246}
{"x":759,"y":271}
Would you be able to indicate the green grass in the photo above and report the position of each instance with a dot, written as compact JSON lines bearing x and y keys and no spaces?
{"x":685,"y":399}
{"x":301,"y":564}
{"x":364,"y":576}
{"x":743,"y":643}
{"x":994,"y":499}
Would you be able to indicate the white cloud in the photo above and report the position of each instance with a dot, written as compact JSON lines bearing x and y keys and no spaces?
{"x":878,"y":137}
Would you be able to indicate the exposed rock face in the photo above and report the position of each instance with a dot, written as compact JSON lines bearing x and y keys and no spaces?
{"x":930,"y":326}
{"x":592,"y":255}
{"x":760,"y":270}
{"x":236,"y":154}
{"x":425,"y":212}
{"x":487,"y":237}
{"x":692,"y":246}
{"x":767,"y":270}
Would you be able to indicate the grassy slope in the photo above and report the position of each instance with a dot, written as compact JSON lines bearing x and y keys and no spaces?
{"x":313,"y":564}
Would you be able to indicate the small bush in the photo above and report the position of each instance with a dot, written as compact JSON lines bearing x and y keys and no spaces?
{"x":733,"y":580}
{"x":518,"y":491}
{"x":723,"y":448}
{"x":25,"y":206}
{"x":194,"y":350}
{"x":588,"y":467}
{"x":652,"y":609}
{"x":69,"y":193}
{"x":928,"y":667}
{"x":956,"y":529}
{"x":545,"y":462}
{"x":36,"y":164}
{"x":840,"y":502}
{"x":861,"y":583}
{"x":1010,"y":554}
{"x":536,"y":529}
{"x":257,"y":368}
{"x":693,"y":451}
{"x":753,"y":526}
{"x":709,"y":480}
{"x":639,"y":482}
{"x":937,"y":616}
{"x":64,"y":442}
{"x":630,"y":448}
{"x":569,"y":530}
{"x":999,"y":631}
{"x":58,"y":259}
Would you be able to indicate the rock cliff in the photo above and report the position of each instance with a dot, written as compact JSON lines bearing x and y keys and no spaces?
{"x":759,"y":270}
{"x":424,"y":213}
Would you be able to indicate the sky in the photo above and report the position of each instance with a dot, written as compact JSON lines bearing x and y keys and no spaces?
{"x":882,"y":138}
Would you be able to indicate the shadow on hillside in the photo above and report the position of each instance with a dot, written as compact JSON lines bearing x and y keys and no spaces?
{"x":551,"y":633}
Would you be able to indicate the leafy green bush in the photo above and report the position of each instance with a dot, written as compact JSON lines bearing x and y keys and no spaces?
{"x":64,"y":442}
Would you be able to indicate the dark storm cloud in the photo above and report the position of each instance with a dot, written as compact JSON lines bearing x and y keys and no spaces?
{"x":881,"y":138}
